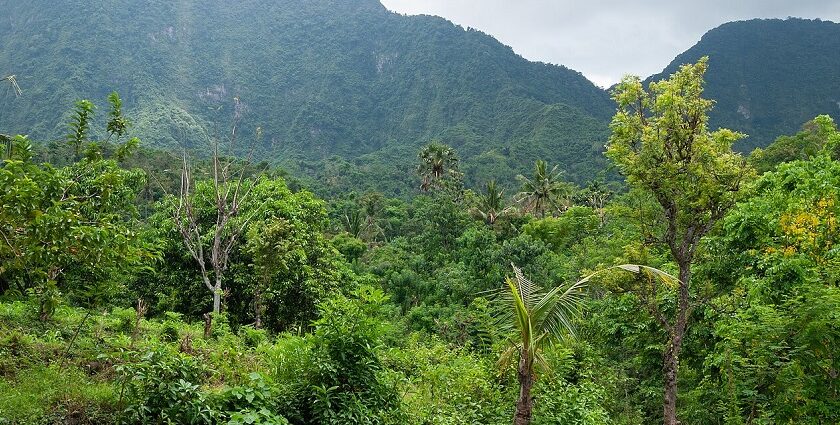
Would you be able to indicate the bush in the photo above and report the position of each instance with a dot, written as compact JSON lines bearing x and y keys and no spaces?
{"x":250,"y":404}
{"x":252,"y":337}
{"x":345,"y":385}
{"x":125,"y":319}
{"x":164,"y":387}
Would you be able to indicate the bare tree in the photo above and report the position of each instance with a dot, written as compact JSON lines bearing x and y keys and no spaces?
{"x":231,"y":191}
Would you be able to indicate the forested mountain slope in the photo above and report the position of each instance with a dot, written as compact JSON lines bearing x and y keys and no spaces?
{"x":319,"y":78}
{"x":770,"y":76}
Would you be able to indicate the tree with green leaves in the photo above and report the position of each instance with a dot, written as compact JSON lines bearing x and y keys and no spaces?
{"x":438,"y":166}
{"x":80,"y":126}
{"x":806,"y":144}
{"x":545,"y":191}
{"x":68,"y":226}
{"x":491,"y":204}
{"x":776,"y":353}
{"x":540,"y":317}
{"x":661,"y":142}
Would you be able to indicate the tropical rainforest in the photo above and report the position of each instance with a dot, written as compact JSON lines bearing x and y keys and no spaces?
{"x":450,"y":235}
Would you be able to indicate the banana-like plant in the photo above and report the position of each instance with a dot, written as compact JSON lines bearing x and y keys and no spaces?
{"x":541,"y":317}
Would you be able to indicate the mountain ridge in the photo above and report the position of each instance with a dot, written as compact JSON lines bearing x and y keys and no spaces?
{"x":768,"y":76}
{"x":348,"y":91}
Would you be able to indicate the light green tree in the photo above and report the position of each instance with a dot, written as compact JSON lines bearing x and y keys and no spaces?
{"x":661,"y":142}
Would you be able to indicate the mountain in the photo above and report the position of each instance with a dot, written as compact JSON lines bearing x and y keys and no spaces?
{"x":768,"y":76}
{"x":327,"y":86}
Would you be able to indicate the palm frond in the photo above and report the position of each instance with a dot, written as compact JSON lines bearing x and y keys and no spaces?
{"x":652,"y":272}
{"x":528,"y":291}
{"x":15,"y":87}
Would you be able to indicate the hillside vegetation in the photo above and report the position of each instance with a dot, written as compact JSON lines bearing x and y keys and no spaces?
{"x":768,"y":76}
{"x":141,"y":287}
{"x":315,"y":83}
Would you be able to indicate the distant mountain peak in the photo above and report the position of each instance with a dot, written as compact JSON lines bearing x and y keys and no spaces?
{"x":768,"y":76}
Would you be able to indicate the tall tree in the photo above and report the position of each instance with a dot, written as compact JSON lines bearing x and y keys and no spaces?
{"x":540,"y":317}
{"x":231,"y":191}
{"x":491,"y":204}
{"x":661,"y":143}
{"x":545,"y":191}
{"x":80,"y":126}
{"x":438,"y":166}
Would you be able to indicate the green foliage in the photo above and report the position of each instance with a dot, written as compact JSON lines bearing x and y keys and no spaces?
{"x":80,"y":126}
{"x":545,"y":192}
{"x":438,"y":168}
{"x":346,"y":387}
{"x":85,"y":211}
{"x":772,"y":353}
{"x":562,"y":232}
{"x":394,"y":83}
{"x":284,"y":259}
{"x":768,"y":76}
{"x":254,"y":403}
{"x":816,"y":135}
{"x":164,"y":387}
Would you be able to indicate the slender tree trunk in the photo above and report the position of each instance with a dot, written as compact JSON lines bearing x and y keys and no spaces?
{"x":670,"y":366}
{"x":217,"y":295}
{"x":525,"y":404}
{"x":258,"y":308}
{"x":671,"y":356}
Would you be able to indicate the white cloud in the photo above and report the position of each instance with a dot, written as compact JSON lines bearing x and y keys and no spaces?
{"x":607,"y":39}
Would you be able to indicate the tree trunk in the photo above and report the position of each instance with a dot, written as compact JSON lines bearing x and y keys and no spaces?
{"x":670,"y":366}
{"x":208,"y":325}
{"x":217,"y":295}
{"x":671,"y":356}
{"x":525,"y":404}
{"x":258,"y":308}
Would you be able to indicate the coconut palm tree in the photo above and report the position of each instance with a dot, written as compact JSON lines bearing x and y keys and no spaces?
{"x":491,"y":204}
{"x":539,"y":317}
{"x":437,"y":163}
{"x":544,"y":191}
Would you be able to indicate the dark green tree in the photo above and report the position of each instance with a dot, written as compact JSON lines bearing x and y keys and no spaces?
{"x":545,"y":191}
{"x":438,"y":167}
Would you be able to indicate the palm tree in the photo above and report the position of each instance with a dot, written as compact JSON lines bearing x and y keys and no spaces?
{"x":540,"y":317}
{"x":491,"y":204}
{"x":437,"y":162}
{"x":545,"y":190}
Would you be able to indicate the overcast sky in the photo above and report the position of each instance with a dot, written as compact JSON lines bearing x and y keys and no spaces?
{"x":607,"y":39}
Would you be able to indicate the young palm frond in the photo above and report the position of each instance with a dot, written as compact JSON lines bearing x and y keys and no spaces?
{"x":537,"y":315}
{"x":15,"y":87}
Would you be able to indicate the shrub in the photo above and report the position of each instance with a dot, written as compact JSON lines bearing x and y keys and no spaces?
{"x":164,"y":387}
{"x":345,"y":386}
{"x":252,"y":337}
{"x":124,"y":319}
{"x":250,"y":404}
